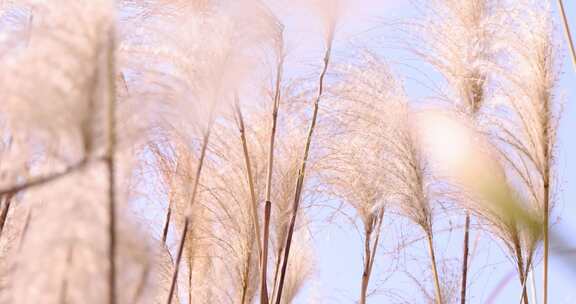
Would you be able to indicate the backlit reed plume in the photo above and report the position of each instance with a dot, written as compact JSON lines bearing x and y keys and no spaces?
{"x":356,"y":166}
{"x":213,"y":79}
{"x":461,"y":39}
{"x":489,"y":187}
{"x":409,"y":174}
{"x":175,"y":161}
{"x":529,"y":131}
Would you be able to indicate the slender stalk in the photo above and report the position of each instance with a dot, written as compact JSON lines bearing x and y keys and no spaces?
{"x":520,"y":265}
{"x":377,"y":239}
{"x":166,"y":225}
{"x":302,"y":171}
{"x":25,"y":229}
{"x":295,"y":208}
{"x":254,"y":203}
{"x":370,"y":253}
{"x":269,"y":170}
{"x":546,"y":240}
{"x":178,"y":260}
{"x":533,"y":286}
{"x":570,"y":43}
{"x":5,"y":210}
{"x":547,"y":146}
{"x":42,"y":180}
{"x":276,"y":271}
{"x":465,"y":258}
{"x":264,"y":261}
{"x":366,"y":272}
{"x":188,"y":215}
{"x":111,"y":166}
{"x":432,"y":254}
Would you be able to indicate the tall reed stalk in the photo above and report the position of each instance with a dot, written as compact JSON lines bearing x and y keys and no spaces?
{"x":249,"y":174}
{"x":302,"y":171}
{"x":253,"y":198}
{"x":570,"y":46}
{"x":111,"y":166}
{"x":269,"y":170}
{"x":370,"y":252}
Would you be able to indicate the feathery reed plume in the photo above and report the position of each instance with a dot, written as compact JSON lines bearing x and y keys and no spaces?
{"x":230,"y":204}
{"x":410,"y":170}
{"x":409,"y":179}
{"x":488,"y":184}
{"x":74,"y":130}
{"x":330,"y":14}
{"x":358,"y":150}
{"x":529,"y":132}
{"x":567,"y":31}
{"x":77,"y":78}
{"x":188,"y":212}
{"x":462,"y":37}
{"x":210,"y":80}
{"x":175,"y":161}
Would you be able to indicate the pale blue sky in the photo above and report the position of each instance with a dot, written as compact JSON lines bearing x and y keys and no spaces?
{"x":338,"y":247}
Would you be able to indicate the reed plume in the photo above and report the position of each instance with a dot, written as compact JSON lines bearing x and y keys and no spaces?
{"x":356,"y":167}
{"x":528,"y":133}
{"x":462,"y":40}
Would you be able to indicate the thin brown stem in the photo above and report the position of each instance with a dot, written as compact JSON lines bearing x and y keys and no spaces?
{"x":370,"y":248}
{"x":546,"y":237}
{"x":188,"y":215}
{"x":111,"y":166}
{"x":253,"y":200}
{"x":289,"y":236}
{"x":178,"y":261}
{"x":302,"y":171}
{"x":166,"y":225}
{"x":520,"y":265}
{"x":465,"y":255}
{"x":276,"y":271}
{"x":269,"y":170}
{"x":366,"y":272}
{"x":25,"y":229}
{"x":42,"y":180}
{"x":432,"y":254}
{"x":264,"y":260}
{"x":570,"y":44}
{"x":5,"y":210}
